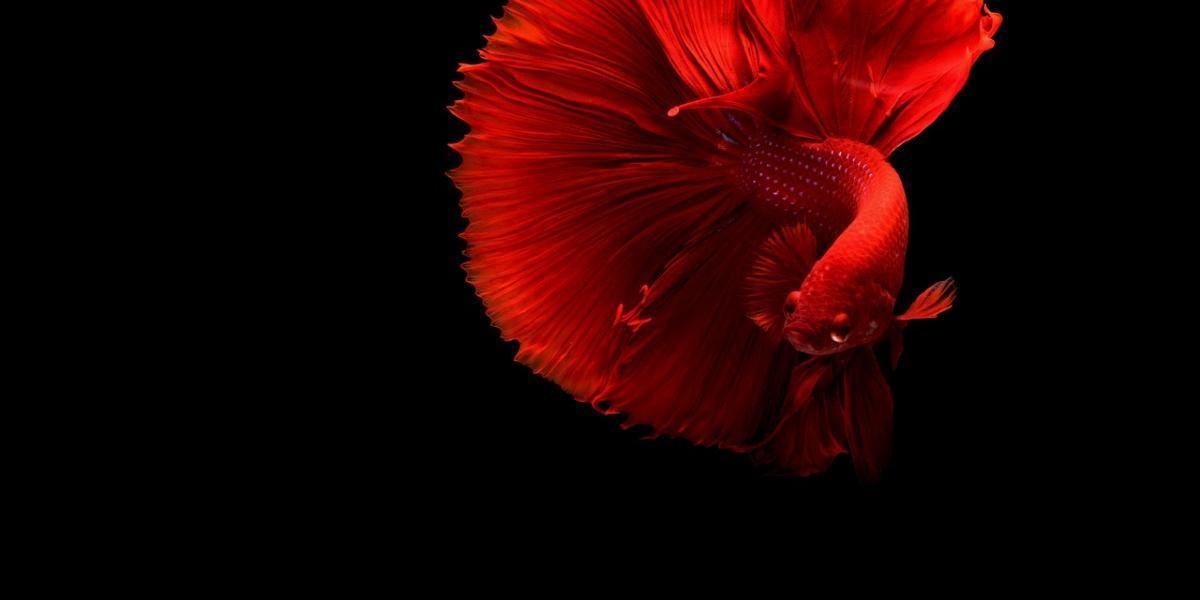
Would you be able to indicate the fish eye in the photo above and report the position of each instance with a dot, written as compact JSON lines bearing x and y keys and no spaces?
{"x":839,"y":330}
{"x":792,"y":303}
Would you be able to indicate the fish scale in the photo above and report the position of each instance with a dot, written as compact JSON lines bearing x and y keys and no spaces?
{"x":845,"y":191}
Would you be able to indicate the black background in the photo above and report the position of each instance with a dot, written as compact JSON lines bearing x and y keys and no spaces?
{"x":995,"y":404}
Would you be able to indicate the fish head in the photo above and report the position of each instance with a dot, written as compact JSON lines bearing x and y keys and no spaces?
{"x":824,"y":318}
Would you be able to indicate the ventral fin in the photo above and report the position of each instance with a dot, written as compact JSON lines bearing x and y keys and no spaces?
{"x":811,"y":432}
{"x":837,"y":406}
{"x":780,"y":266}
{"x":895,"y":342}
{"x":867,"y":414}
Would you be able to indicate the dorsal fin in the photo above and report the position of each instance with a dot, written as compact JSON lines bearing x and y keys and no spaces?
{"x":780,"y":266}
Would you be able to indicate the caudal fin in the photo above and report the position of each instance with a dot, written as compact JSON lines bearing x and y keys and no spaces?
{"x":873,"y":71}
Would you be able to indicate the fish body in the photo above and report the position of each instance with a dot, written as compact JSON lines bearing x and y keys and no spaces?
{"x":684,"y":213}
{"x":852,"y":200}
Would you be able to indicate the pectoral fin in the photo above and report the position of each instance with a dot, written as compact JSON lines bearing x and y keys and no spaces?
{"x":932,"y":302}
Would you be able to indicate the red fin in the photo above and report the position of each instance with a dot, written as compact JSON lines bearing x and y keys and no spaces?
{"x":934,"y":301}
{"x":874,"y":71}
{"x":895,"y":341}
{"x":811,"y":434}
{"x":880,"y":71}
{"x":779,"y":268}
{"x":755,"y":98}
{"x":867,"y":414}
{"x":720,"y":50}
{"x":696,"y":367}
{"x":577,"y":187}
{"x":841,"y":405}
{"x":706,"y":45}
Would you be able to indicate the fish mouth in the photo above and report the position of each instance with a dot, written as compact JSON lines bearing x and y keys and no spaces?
{"x":800,"y":335}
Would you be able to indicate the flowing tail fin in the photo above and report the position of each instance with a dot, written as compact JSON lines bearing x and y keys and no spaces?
{"x":873,"y":71}
{"x":586,"y":201}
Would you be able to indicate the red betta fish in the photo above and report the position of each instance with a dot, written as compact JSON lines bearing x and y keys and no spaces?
{"x":684,"y":213}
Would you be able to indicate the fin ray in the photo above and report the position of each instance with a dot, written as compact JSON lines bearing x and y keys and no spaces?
{"x":935,"y":300}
